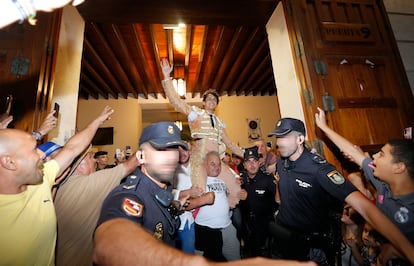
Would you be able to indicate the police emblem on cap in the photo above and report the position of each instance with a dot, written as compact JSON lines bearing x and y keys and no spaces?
{"x":336,"y":177}
{"x":170,"y":129}
{"x":132,"y":208}
{"x":279,"y":123}
{"x":159,"y":231}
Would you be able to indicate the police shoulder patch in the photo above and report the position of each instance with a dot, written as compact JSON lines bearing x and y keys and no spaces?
{"x":132,"y":208}
{"x":336,"y":177}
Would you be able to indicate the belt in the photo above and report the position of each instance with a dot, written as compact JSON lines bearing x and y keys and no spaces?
{"x":207,"y":228}
{"x":313,"y":238}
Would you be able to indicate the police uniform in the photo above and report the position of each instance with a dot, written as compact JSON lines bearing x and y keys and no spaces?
{"x":310,"y":188}
{"x":258,"y":209}
{"x":136,"y":200}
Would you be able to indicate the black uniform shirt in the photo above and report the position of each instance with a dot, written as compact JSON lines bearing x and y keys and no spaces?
{"x":135,"y":200}
{"x":261,"y":192}
{"x":309,"y":190}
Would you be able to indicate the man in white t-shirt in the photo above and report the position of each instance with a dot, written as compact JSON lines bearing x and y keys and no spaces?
{"x":215,"y":234}
{"x":182,"y":182}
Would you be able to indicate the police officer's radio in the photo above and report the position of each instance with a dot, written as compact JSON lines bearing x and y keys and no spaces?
{"x":165,"y":198}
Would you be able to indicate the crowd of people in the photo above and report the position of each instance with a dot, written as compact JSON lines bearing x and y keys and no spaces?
{"x":286,"y":205}
{"x":295,"y":208}
{"x":192,"y":202}
{"x":282,"y":205}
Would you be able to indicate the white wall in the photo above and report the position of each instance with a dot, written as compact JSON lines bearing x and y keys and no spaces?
{"x":234,"y":111}
{"x":401,"y":15}
{"x":288,"y":90}
{"x":126,"y":121}
{"x":67,"y":75}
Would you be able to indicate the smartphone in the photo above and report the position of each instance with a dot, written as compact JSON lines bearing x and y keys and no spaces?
{"x":9,"y":101}
{"x":128,"y":150}
{"x":56,"y":108}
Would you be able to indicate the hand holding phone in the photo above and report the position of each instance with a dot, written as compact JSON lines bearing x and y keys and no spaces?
{"x":56,"y":108}
{"x":9,"y":101}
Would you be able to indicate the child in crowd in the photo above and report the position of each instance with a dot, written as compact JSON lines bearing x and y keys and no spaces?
{"x":370,"y":248}
{"x":360,"y":239}
{"x":352,"y":225}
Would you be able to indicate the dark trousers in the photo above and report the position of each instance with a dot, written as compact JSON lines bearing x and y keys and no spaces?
{"x":257,"y":233}
{"x":210,"y":241}
{"x":291,"y":245}
{"x":237,"y":221}
{"x":285,"y":246}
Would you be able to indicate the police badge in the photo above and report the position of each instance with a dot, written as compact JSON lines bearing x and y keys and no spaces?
{"x":159,"y":231}
{"x":336,"y":177}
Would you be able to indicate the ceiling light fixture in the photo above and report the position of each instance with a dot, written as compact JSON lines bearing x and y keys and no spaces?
{"x":173,"y":26}
{"x":179,"y":124}
{"x":180,"y":86}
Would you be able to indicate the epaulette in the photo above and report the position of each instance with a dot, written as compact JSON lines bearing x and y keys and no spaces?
{"x":131,"y":182}
{"x":318,"y":159}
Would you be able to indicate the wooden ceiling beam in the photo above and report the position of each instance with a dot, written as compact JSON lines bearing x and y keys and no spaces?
{"x":238,"y":64}
{"x":156,"y":48}
{"x":97,"y":61}
{"x":96,"y":77}
{"x":250,"y":66}
{"x":93,"y":86}
{"x":128,"y":65}
{"x":216,"y":55}
{"x":87,"y":92}
{"x":108,"y":51}
{"x":255,"y":77}
{"x":266,"y":87}
{"x":188,"y":50}
{"x":152,"y":61}
{"x":262,"y":84}
{"x":228,"y":60}
{"x":201,"y":57}
{"x":141,"y":56}
{"x":170,"y":45}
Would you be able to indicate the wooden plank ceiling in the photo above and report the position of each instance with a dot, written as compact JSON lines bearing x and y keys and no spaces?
{"x":226,"y":47}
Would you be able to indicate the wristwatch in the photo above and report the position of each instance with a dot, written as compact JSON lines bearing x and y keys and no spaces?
{"x":37,"y":135}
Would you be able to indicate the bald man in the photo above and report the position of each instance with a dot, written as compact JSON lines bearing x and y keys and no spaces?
{"x":28,"y":219}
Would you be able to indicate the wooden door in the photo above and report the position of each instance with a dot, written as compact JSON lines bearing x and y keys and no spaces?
{"x":345,"y":49}
{"x":31,"y":87}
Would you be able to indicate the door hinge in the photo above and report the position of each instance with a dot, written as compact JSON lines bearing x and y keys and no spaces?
{"x":308,"y":95}
{"x":328,"y":103}
{"x":298,"y":52}
{"x":320,"y":67}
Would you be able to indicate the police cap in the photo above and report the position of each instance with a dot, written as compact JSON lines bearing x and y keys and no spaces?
{"x":286,"y":125}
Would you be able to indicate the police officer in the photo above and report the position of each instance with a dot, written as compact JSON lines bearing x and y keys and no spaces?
{"x":101,"y":158}
{"x":145,"y":197}
{"x":311,"y":192}
{"x":258,"y":204}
